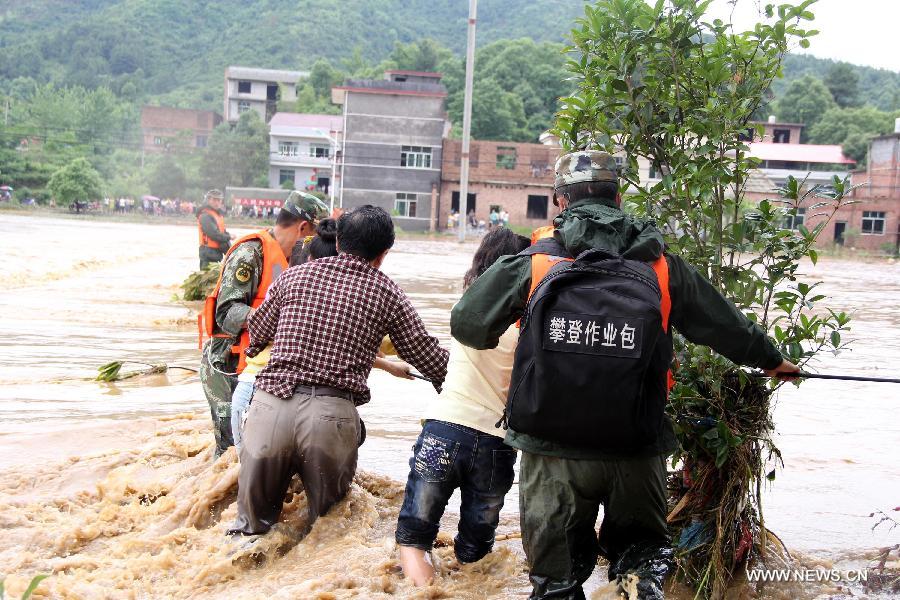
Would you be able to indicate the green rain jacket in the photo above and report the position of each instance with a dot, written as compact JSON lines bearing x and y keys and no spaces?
{"x":700,"y":313}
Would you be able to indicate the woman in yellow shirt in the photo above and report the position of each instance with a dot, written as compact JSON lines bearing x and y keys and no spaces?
{"x":460,"y":445}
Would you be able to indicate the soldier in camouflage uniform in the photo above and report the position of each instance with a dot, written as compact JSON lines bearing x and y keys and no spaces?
{"x":214,"y":239}
{"x":239,"y":286}
{"x":562,"y":485}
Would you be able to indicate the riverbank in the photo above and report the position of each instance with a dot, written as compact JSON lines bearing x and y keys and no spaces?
{"x":185,"y":219}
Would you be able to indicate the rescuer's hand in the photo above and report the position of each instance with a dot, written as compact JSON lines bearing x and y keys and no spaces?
{"x":786,"y":371}
{"x":396,"y":368}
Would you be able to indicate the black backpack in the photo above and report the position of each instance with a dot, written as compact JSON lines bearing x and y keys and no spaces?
{"x":590,"y":368}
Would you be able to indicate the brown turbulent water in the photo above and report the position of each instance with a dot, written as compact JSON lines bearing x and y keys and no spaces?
{"x":111,"y":488}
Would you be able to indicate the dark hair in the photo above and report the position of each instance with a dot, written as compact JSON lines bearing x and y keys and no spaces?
{"x":498,"y":242}
{"x":325,"y":242}
{"x":319,"y":246}
{"x":286,"y":218}
{"x":365,"y":231}
{"x":603,"y":190}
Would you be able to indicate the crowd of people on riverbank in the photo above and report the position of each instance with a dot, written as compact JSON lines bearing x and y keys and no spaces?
{"x":561,"y":354}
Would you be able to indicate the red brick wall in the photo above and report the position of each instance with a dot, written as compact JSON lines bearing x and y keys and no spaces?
{"x":168,"y":123}
{"x":879,"y":192}
{"x":852,"y":216}
{"x":495,"y":185}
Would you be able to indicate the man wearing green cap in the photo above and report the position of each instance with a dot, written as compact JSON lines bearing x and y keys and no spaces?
{"x":563,"y":482}
{"x":250,"y":266}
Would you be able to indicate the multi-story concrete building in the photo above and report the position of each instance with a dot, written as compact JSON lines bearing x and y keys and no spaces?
{"x":393,"y":135}
{"x":514,"y":177}
{"x":260,"y":90}
{"x":303,"y":151}
{"x":164,"y":128}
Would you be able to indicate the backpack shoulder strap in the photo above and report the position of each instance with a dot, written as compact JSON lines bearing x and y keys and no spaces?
{"x":661,"y":268}
{"x":548,"y":246}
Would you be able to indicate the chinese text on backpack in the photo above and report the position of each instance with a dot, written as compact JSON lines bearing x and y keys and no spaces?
{"x":591,"y":365}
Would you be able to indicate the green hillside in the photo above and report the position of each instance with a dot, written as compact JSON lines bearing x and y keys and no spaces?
{"x":879,"y":87}
{"x":74,"y":74}
{"x":153,"y":48}
{"x":175,"y":52}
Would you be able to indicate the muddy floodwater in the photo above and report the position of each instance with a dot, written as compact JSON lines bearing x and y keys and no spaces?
{"x":112,"y":490}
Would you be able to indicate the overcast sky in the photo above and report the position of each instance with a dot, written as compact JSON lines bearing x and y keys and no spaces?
{"x":863,"y":32}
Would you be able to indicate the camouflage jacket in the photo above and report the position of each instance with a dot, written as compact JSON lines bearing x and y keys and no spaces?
{"x":241,"y":275}
{"x":699,"y":312}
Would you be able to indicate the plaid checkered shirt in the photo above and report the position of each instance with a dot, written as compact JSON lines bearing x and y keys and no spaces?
{"x":327,"y":318}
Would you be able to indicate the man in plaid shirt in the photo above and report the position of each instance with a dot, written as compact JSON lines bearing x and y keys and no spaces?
{"x":327,"y":319}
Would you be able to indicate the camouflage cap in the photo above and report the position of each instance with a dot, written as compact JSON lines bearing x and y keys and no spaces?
{"x":213,"y":194}
{"x":585,"y":165}
{"x":306,"y":206}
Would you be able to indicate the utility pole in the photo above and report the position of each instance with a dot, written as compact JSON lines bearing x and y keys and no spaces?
{"x":467,"y":124}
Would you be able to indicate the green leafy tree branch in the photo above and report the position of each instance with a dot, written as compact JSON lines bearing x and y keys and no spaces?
{"x":664,"y":85}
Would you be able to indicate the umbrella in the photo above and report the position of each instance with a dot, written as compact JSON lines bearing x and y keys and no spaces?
{"x":150,"y":198}
{"x":6,"y":188}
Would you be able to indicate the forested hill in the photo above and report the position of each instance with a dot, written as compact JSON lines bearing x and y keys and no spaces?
{"x":165,"y":46}
{"x":878,"y":87}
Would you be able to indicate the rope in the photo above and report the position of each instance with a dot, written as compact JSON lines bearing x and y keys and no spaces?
{"x":803,"y":375}
{"x":209,"y":361}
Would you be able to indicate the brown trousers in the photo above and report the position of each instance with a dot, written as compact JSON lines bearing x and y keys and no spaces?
{"x":315,"y":436}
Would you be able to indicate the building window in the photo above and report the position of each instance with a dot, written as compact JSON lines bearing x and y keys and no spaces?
{"x":792,"y":221}
{"x":288,"y":148}
{"x":873,"y":222}
{"x":243,"y":106}
{"x":319,"y":150}
{"x":416,"y":157}
{"x":506,"y":157}
{"x":781,"y":136}
{"x":285,"y":176}
{"x":201,"y":141}
{"x":243,"y":87}
{"x":470,"y":201}
{"x":537,"y":207}
{"x":405,"y":205}
{"x":157,"y":141}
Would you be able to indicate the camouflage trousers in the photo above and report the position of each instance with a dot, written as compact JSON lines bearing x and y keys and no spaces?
{"x":218,"y":388}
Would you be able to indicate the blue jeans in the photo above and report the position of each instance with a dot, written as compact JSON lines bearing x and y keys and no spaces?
{"x":449,"y":456}
{"x":240,"y":404}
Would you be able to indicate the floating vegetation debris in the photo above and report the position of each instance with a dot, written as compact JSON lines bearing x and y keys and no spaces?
{"x":200,"y":284}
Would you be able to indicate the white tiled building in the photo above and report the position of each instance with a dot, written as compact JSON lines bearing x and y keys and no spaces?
{"x":302,"y":151}
{"x":249,"y":88}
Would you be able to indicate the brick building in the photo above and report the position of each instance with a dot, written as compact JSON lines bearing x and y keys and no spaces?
{"x":513,"y":176}
{"x":873,"y":224}
{"x":164,"y":128}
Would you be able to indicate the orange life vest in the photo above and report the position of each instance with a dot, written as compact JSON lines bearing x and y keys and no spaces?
{"x":220,"y":224}
{"x":274,"y":262}
{"x":542,"y":263}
